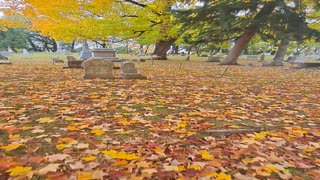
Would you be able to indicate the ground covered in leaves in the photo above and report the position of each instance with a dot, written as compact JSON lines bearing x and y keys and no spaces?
{"x":184,"y":122}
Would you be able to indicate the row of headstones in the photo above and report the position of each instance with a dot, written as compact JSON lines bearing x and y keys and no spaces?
{"x":103,"y":69}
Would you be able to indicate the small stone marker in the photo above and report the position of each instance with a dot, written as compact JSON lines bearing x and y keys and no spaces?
{"x":98,"y":68}
{"x":5,"y":62}
{"x":214,"y":59}
{"x":3,"y":57}
{"x":57,"y":60}
{"x":4,"y":53}
{"x":59,"y":48}
{"x":25,"y":52}
{"x":71,"y":58}
{"x":129,"y":71}
{"x":291,"y":59}
{"x":252,"y":57}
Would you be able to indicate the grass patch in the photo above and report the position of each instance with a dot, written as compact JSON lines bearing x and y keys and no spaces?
{"x":154,"y":118}
{"x":298,"y":172}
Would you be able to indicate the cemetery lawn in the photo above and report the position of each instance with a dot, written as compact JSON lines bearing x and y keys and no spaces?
{"x":183,"y":122}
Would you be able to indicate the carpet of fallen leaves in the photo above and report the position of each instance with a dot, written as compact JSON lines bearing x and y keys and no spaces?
{"x":181,"y":123}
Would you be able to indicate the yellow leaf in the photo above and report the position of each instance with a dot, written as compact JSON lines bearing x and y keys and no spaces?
{"x":120,"y":155}
{"x":89,"y":158}
{"x":97,"y":132}
{"x":220,"y":176}
{"x":11,"y":147}
{"x":69,"y":118}
{"x":67,"y":141}
{"x":84,"y":175}
{"x":195,"y":167}
{"x":119,"y":163}
{"x":182,"y":124}
{"x":45,"y":120}
{"x":61,"y":146}
{"x":234,"y":127}
{"x":205,"y":155}
{"x":158,"y":150}
{"x":261,"y":134}
{"x":19,"y":170}
{"x":72,"y":128}
{"x":181,"y":168}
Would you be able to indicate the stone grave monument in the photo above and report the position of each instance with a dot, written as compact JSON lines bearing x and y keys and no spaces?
{"x":214,"y":59}
{"x":59,"y":48}
{"x":105,"y":53}
{"x":129,"y":71}
{"x":4,"y":59}
{"x":73,"y":63}
{"x":98,"y":68}
{"x":85,"y":51}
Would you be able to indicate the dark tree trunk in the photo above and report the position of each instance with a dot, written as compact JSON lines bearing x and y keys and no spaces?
{"x":146,"y":51}
{"x":34,"y":47}
{"x":175,"y":49}
{"x":72,"y":45}
{"x":245,"y":38}
{"x":54,"y":46}
{"x":161,"y":48}
{"x":281,"y":52}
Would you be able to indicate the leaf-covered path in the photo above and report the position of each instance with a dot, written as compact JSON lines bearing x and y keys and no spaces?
{"x":180,"y":123}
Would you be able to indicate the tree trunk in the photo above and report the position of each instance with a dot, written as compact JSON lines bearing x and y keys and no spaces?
{"x":146,"y":51}
{"x":161,"y":49}
{"x":34,"y":47}
{"x":175,"y":49}
{"x":72,"y":45}
{"x":245,"y":38}
{"x":54,"y":46}
{"x":281,"y":52}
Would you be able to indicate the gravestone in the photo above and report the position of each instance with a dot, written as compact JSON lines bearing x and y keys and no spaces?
{"x":3,"y":57}
{"x":106,"y":53}
{"x":59,"y":48}
{"x":57,"y":60}
{"x":5,"y":62}
{"x":71,"y":58}
{"x":252,"y":57}
{"x":129,"y":71}
{"x":85,"y":51}
{"x":291,"y":59}
{"x":98,"y":68}
{"x":4,"y":53}
{"x":10,"y":50}
{"x":214,"y":59}
{"x":25,"y":52}
{"x":73,"y":63}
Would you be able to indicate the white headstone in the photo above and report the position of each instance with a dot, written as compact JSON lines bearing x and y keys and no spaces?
{"x":10,"y":50}
{"x":85,"y":51}
{"x":59,"y":47}
{"x":25,"y":52}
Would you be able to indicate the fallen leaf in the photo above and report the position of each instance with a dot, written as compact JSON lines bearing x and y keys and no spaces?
{"x":11,"y":147}
{"x":48,"y":168}
{"x":19,"y":170}
{"x":89,"y":158}
{"x":57,"y":157}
